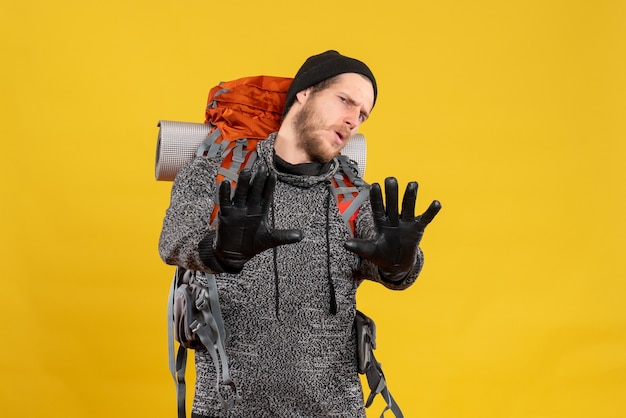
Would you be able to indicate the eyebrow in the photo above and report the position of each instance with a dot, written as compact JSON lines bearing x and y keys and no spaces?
{"x":353,"y":103}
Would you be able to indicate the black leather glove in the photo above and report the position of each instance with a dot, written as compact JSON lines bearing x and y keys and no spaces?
{"x":395,"y":244}
{"x":242,"y":229}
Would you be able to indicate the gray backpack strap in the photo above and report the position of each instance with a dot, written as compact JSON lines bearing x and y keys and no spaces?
{"x":368,"y":365}
{"x":346,"y":184}
{"x":178,"y":362}
{"x":208,"y":327}
{"x":209,"y":147}
{"x":212,"y":333}
{"x":232,"y":173}
{"x":378,"y":384}
{"x":239,"y":154}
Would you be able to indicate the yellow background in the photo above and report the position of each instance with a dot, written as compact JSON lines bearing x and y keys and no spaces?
{"x":510,"y":113}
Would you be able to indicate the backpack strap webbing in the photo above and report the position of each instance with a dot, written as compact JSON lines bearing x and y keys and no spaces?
{"x":368,"y":365}
{"x":210,"y":330}
{"x":236,"y":156}
{"x":177,"y":362}
{"x":378,"y":384}
{"x":349,"y":191}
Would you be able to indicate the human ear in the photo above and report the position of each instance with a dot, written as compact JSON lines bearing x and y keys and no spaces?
{"x":303,"y":95}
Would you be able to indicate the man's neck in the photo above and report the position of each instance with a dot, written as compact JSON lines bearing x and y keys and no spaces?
{"x":286,"y":147}
{"x":303,"y":169}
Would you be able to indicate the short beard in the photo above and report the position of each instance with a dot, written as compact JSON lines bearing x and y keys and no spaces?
{"x":306,"y":123}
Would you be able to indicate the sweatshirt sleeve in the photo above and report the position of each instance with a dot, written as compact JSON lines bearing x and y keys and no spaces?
{"x":186,"y":227}
{"x":369,"y":271}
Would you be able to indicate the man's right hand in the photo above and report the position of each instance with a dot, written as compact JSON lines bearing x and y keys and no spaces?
{"x":242,"y":229}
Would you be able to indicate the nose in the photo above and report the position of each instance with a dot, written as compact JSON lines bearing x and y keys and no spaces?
{"x":351,"y":119}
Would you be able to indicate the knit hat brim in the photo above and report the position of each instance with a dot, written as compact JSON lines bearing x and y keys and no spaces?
{"x":322,"y":67}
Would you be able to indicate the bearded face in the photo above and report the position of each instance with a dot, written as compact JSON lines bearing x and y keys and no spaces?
{"x":330,"y":114}
{"x":313,"y":133}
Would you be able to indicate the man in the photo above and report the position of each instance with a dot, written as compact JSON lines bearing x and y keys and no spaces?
{"x":288,"y":268}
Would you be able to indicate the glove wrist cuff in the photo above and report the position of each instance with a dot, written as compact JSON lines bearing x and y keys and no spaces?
{"x":393,"y":277}
{"x":208,"y":255}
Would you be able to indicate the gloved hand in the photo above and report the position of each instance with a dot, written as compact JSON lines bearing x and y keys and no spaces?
{"x":242,"y":229}
{"x":395,"y":244}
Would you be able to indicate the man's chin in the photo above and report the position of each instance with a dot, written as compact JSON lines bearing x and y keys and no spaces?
{"x":323,"y":160}
{"x":328,"y":157}
{"x":320,"y":150}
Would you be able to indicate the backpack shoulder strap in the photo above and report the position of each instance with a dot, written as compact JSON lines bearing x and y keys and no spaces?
{"x":177,"y":361}
{"x":368,"y":365}
{"x":237,"y":158}
{"x":209,"y":328}
{"x":349,"y":190}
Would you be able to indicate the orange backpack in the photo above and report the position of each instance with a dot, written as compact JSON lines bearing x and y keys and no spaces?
{"x":245,"y":111}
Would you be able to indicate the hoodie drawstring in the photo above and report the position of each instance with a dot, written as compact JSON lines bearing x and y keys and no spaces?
{"x":275,"y":261}
{"x":331,"y":285}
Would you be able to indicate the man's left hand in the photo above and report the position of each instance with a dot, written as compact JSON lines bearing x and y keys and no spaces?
{"x":397,"y":236}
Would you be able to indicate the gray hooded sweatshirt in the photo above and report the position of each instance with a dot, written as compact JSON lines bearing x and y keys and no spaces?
{"x":288,"y":354}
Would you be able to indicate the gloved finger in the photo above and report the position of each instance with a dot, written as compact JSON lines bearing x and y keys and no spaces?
{"x":255,"y":192}
{"x":376,"y":200}
{"x":224,"y":195}
{"x":285,"y":236}
{"x":408,"y":202}
{"x":268,"y":191}
{"x":391,"y":200}
{"x":361,"y":247}
{"x":430,"y":213}
{"x":241,"y":190}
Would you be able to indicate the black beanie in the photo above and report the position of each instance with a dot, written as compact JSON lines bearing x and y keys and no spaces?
{"x":322,"y":67}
